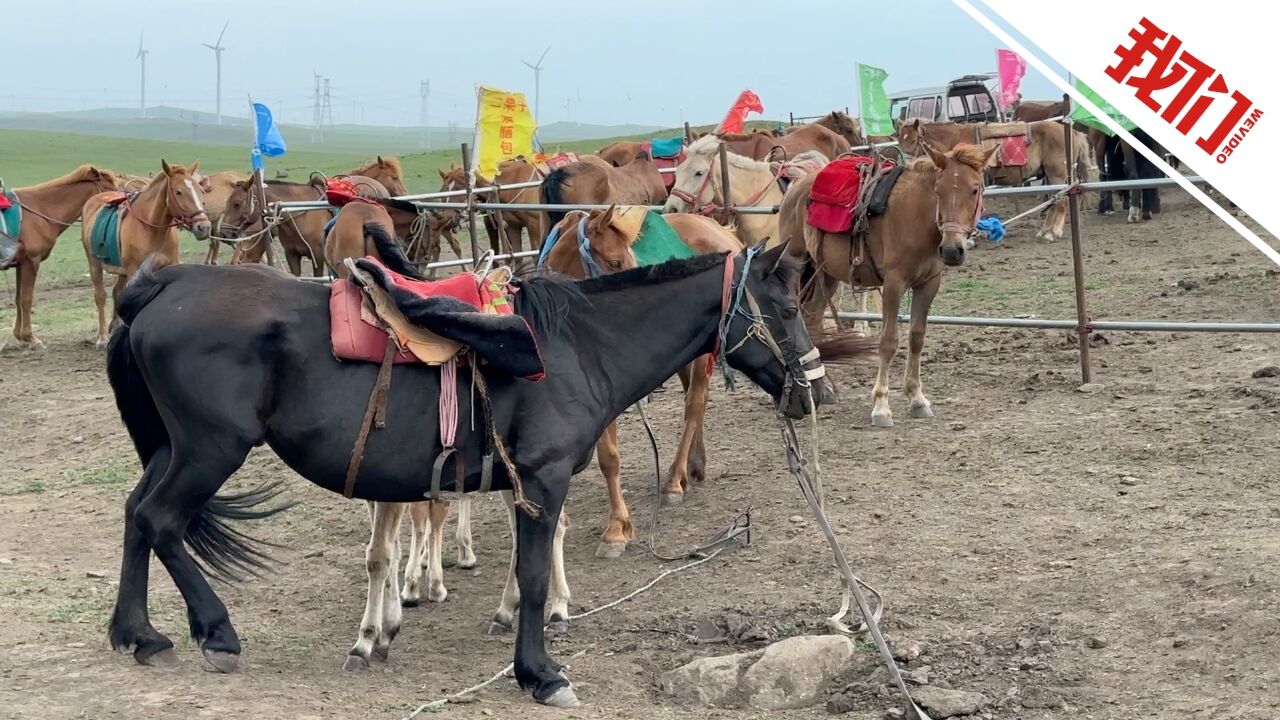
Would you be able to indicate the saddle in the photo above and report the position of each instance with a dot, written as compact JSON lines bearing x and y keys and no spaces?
{"x":339,"y":191}
{"x":547,"y":164}
{"x":667,"y":153}
{"x":10,"y":227}
{"x":842,"y":200}
{"x":788,"y":171}
{"x":104,"y":238}
{"x":1011,"y":137}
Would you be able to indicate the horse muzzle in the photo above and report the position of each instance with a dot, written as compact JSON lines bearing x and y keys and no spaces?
{"x":201,"y":228}
{"x":952,"y":255}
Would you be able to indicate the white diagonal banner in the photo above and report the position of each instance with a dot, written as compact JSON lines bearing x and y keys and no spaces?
{"x":1192,"y":85}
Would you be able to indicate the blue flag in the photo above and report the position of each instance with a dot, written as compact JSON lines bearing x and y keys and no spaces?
{"x":269,"y":141}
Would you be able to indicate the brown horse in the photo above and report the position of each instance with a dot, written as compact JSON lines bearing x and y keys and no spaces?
{"x":515,"y":223}
{"x":48,"y":209}
{"x":932,"y":209}
{"x":1036,"y":110}
{"x":623,"y":152}
{"x":760,"y":145}
{"x":361,"y":229}
{"x":1046,"y":153}
{"x":301,"y":235}
{"x":148,"y":227}
{"x":592,"y":181}
{"x":218,"y":189}
{"x":610,"y":247}
{"x":385,"y":171}
{"x":839,"y":122}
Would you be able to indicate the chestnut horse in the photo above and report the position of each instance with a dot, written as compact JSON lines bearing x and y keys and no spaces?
{"x":623,"y":152}
{"x":1035,"y":110}
{"x":218,"y":189}
{"x":516,"y":223}
{"x":301,"y":235}
{"x":1046,"y":153}
{"x":149,"y":223}
{"x":760,"y":145}
{"x":592,"y":181}
{"x":48,"y":209}
{"x":385,"y":171}
{"x":932,"y":209}
{"x":839,"y":122}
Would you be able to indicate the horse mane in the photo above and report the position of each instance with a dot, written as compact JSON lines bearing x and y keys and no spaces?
{"x":738,"y":136}
{"x":80,"y":174}
{"x":967,"y":154}
{"x":387,"y":161}
{"x":709,"y":145}
{"x":286,"y":183}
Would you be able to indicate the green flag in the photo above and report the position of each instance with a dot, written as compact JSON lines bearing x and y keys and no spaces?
{"x":876,"y":118}
{"x":1082,"y":116}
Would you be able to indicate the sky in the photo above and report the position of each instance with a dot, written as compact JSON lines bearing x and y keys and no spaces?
{"x":609,"y":62}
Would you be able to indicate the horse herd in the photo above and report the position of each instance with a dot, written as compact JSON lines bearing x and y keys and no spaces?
{"x":757,"y":287}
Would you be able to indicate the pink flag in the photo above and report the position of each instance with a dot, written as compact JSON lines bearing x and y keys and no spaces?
{"x":1012,"y":67}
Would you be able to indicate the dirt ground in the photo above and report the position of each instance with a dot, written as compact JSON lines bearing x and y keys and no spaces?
{"x":1069,"y":555}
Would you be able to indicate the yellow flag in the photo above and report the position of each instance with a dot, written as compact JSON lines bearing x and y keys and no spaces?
{"x":504,"y":128}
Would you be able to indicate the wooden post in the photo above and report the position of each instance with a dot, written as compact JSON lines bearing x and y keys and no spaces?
{"x":471,"y":204}
{"x":727,"y":213}
{"x":1077,"y":255}
{"x":688,"y":134}
{"x":791,"y":119}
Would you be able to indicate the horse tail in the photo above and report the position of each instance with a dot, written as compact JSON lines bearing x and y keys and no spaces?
{"x":1082,"y":158}
{"x":225,"y":552}
{"x":390,"y":250}
{"x":552,"y":193}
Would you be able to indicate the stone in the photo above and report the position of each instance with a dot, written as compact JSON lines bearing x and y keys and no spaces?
{"x":97,"y":574}
{"x":1091,"y":387}
{"x":949,"y":703}
{"x":1266,"y":372}
{"x":1129,"y":480}
{"x":1038,"y":699}
{"x":797,"y":519}
{"x":1188,"y":284}
{"x":906,"y":650}
{"x":709,"y":680}
{"x":1095,"y":643}
{"x":792,"y":672}
{"x":957,"y":426}
{"x":841,"y":704}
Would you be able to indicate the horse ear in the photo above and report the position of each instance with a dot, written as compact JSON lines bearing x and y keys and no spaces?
{"x":607,"y":219}
{"x":381,"y":161}
{"x":442,"y":175}
{"x":95,"y":173}
{"x":939,"y":158}
{"x":164,"y":165}
{"x":193,"y":167}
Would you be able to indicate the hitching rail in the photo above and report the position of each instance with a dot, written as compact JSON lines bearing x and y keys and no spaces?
{"x":1113,"y":325}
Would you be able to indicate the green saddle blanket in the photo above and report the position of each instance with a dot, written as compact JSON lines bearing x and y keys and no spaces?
{"x":105,"y":238}
{"x":659,"y":242}
{"x":10,"y":226}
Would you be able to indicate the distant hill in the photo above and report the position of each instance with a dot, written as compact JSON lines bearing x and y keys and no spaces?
{"x":191,"y":126}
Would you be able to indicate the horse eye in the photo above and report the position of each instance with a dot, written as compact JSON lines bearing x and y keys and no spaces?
{"x":789,"y":313}
{"x":975,"y":191}
{"x":698,"y":174}
{"x":615,"y":264}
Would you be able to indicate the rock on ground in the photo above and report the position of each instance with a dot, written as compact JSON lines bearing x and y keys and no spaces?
{"x":948,"y":703}
{"x":709,"y":681}
{"x":788,"y":674}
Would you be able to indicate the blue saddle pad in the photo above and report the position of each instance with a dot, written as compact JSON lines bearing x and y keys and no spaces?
{"x":329,"y":225}
{"x":10,"y":227}
{"x":105,"y":238}
{"x":666,"y":147}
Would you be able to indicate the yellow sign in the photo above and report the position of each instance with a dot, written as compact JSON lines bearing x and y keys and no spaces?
{"x":504,"y":128}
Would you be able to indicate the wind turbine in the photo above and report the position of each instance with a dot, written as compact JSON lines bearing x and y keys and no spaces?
{"x":142,"y":55}
{"x":217,"y":49}
{"x":537,"y":82}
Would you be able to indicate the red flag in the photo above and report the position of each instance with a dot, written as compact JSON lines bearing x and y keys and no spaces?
{"x":747,"y":102}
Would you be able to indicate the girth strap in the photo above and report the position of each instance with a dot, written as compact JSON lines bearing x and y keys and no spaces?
{"x":374,"y":414}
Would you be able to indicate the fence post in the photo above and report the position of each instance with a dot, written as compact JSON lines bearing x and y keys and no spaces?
{"x":724,"y":184}
{"x":471,"y":203}
{"x":1077,"y":255}
{"x":791,"y":118}
{"x":688,"y":134}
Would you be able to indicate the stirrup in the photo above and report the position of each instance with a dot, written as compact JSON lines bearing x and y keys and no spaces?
{"x":484,"y":264}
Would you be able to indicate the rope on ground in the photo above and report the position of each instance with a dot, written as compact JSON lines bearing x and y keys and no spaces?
{"x":1052,"y":199}
{"x":435,"y":705}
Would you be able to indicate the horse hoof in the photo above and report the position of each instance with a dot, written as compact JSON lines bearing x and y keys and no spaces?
{"x":881,"y":421}
{"x":381,"y":652}
{"x":410,"y":602}
{"x":161,"y":658}
{"x":670,"y":499}
{"x":439,"y":596}
{"x":922,"y":411}
{"x":219,"y":661}
{"x":467,"y":564}
{"x":562,"y":698}
{"x":355,"y":663}
{"x":101,"y":344}
{"x":498,"y":628}
{"x":610,"y":550}
{"x":557,"y":627}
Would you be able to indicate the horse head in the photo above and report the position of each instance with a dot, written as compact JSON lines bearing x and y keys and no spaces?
{"x":185,"y":198}
{"x":695,"y":187}
{"x":590,"y":244}
{"x":958,"y":184}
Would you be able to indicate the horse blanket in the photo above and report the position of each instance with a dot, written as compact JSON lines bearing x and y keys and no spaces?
{"x":667,"y":153}
{"x":10,"y":228}
{"x":1011,"y":137}
{"x":833,"y":199}
{"x":104,"y":238}
{"x":652,"y":238}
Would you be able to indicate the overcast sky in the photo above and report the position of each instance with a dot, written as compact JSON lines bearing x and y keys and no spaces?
{"x":657,"y":62}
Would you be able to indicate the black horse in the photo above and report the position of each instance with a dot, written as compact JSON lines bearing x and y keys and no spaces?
{"x":1119,"y":161}
{"x":212,"y":361}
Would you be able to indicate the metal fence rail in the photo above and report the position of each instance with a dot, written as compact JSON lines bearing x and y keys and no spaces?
{"x":1072,"y":325}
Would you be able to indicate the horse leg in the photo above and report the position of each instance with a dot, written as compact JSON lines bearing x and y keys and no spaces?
{"x":419,"y":519}
{"x":130,"y":625}
{"x":618,"y":532}
{"x":1131,"y":173}
{"x":28,"y":269}
{"x":215,"y":245}
{"x":462,"y":535}
{"x":294,"y":259}
{"x":684,"y":465}
{"x":99,"y":297}
{"x":921,"y":299}
{"x":534,"y":668}
{"x":436,"y":591}
{"x":891,"y":296}
{"x":454,"y":245}
{"x":504,"y":618}
{"x":558,"y":619}
{"x":385,"y":525}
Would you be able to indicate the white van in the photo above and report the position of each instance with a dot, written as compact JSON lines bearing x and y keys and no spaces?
{"x":971,"y":98}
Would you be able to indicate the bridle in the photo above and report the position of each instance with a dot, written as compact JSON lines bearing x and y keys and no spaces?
{"x":799,"y":370}
{"x":709,"y":208}
{"x":947,"y":226}
{"x":171,"y":201}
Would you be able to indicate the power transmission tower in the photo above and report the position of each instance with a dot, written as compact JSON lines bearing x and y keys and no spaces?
{"x":315,"y":109}
{"x":326,"y":115}
{"x":424,"y":92}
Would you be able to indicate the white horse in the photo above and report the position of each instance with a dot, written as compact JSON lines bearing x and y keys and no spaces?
{"x":752,"y":183}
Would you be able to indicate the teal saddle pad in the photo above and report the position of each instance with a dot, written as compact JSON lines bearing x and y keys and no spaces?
{"x":659,"y":242}
{"x":10,"y":227}
{"x":105,"y":238}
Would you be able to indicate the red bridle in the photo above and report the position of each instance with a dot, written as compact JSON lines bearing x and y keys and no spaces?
{"x":170,"y":202}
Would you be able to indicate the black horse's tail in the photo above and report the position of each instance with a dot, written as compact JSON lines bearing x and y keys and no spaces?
{"x":225,"y":552}
{"x":390,"y":250}
{"x":552,"y":192}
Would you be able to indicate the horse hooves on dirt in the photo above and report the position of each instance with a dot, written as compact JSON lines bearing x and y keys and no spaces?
{"x":167,"y":657}
{"x":881,"y":421}
{"x":219,"y":661}
{"x":410,"y":602}
{"x":497,"y":628}
{"x":610,"y":550}
{"x":922,"y":411}
{"x":562,"y":698}
{"x":557,"y":627}
{"x":466,"y":564}
{"x":670,"y":499}
{"x":355,"y":663}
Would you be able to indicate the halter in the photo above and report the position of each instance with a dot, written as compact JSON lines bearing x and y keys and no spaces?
{"x":952,"y":226}
{"x":171,"y":202}
{"x":589,"y":264}
{"x":711,"y":207}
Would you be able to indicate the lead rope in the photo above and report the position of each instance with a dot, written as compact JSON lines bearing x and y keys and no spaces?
{"x":871,"y":619}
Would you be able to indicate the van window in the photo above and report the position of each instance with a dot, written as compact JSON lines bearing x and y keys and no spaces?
{"x":955,"y":107}
{"x":929,"y":108}
{"x":980,"y":104}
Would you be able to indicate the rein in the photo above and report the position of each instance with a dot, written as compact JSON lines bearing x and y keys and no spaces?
{"x":170,"y":202}
{"x":710,"y":208}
